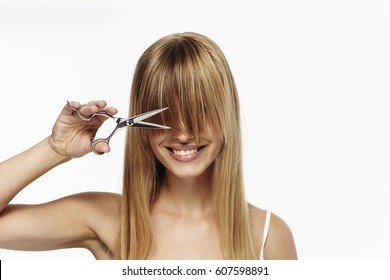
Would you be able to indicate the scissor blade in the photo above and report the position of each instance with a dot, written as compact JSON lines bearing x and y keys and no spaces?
{"x":146,"y":115}
{"x":136,"y":121}
{"x":150,"y":125}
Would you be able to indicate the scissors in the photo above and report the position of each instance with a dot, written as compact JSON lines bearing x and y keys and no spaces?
{"x":136,"y":121}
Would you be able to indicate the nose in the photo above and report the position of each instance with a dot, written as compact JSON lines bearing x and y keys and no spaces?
{"x":182,"y":136}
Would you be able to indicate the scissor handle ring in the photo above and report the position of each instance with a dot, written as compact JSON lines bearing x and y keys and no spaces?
{"x":77,"y":110}
{"x":94,"y":143}
{"x":81,"y":116}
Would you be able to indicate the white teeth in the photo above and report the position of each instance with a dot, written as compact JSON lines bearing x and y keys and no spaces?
{"x":185,"y":152}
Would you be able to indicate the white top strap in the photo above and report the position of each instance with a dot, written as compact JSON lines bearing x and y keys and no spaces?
{"x":265,"y":233}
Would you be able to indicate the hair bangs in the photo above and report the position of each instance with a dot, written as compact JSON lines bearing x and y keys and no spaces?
{"x":185,"y":79}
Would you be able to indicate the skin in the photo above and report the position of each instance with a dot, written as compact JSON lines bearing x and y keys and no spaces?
{"x":182,"y":212}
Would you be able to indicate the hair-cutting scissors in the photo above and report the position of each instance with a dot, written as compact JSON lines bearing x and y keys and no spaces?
{"x":136,"y":121}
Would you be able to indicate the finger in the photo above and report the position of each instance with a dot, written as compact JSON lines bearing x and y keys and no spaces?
{"x":71,"y":106}
{"x":111,"y":110}
{"x":93,"y":107}
{"x":87,"y":110}
{"x":99,"y":103}
{"x":102,"y":148}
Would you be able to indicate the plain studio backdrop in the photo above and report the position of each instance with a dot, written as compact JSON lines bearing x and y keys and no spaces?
{"x":313,"y":78}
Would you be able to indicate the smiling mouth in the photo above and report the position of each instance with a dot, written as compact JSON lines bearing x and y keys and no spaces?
{"x":185,"y":152}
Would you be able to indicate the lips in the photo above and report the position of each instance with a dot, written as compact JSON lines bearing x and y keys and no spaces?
{"x":186,"y":153}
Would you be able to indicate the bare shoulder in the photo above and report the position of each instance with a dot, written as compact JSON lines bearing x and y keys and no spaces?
{"x":101,"y":210}
{"x":100,"y":201}
{"x":280,"y":243}
{"x":103,"y":207}
{"x":93,"y":204}
{"x":89,"y":220}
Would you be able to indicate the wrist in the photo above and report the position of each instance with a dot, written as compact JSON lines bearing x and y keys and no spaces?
{"x":53,"y":154}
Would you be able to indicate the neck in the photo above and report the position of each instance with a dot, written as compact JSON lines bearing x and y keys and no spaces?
{"x":187,"y":196}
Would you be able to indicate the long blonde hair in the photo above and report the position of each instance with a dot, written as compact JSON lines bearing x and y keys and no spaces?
{"x":188,"y":73}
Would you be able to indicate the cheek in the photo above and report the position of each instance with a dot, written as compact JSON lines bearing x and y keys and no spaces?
{"x":155,"y":138}
{"x":219,"y":145}
{"x":215,"y":137}
{"x":155,"y":141}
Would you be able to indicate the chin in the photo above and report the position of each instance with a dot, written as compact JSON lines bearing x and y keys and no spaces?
{"x":188,"y":172}
{"x":187,"y":175}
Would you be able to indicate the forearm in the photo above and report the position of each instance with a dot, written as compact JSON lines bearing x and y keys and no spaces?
{"x":19,"y":171}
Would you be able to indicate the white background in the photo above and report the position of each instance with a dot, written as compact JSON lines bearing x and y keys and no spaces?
{"x":313,"y":78}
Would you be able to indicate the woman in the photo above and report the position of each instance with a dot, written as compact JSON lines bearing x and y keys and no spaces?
{"x":183,"y":192}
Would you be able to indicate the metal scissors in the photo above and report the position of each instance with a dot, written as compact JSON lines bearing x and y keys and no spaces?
{"x":136,"y":121}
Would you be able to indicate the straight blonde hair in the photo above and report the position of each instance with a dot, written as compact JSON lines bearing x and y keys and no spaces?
{"x":188,"y":73}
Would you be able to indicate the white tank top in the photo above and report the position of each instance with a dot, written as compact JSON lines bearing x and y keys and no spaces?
{"x":265,"y":233}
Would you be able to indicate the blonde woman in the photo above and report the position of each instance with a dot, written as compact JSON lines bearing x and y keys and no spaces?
{"x":183,"y":193}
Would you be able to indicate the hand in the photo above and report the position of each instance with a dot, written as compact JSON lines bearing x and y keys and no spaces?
{"x":71,"y":136}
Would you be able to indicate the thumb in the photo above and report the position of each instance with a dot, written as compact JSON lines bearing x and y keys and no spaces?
{"x":100,"y":147}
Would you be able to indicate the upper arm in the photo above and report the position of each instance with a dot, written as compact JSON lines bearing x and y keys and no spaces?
{"x":68,"y":222}
{"x":280,"y":242}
